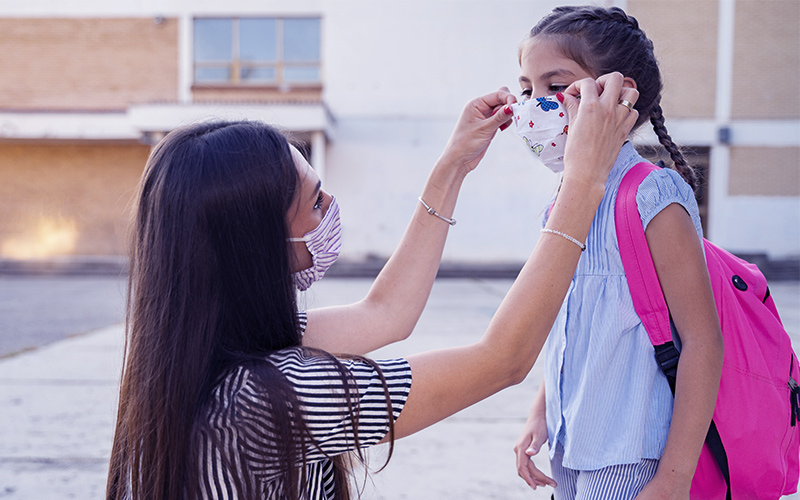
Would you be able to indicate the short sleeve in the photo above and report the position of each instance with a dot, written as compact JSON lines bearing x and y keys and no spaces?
{"x":660,"y":189}
{"x":321,"y":388}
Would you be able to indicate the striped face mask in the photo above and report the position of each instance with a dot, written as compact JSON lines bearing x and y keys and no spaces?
{"x":324,"y":244}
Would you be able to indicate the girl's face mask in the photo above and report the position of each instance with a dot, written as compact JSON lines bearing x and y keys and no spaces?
{"x":324,"y":244}
{"x":543,"y":124}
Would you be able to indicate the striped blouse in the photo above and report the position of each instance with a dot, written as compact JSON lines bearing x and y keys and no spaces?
{"x":241,"y":435}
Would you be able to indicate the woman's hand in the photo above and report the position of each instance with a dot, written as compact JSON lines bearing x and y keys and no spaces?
{"x":598,"y":125}
{"x":476,"y":127}
{"x":395,"y":302}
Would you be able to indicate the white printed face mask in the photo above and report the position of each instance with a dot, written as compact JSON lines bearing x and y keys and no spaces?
{"x":543,"y":124}
{"x":324,"y":244}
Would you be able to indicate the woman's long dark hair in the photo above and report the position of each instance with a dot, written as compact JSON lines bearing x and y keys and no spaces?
{"x":210,"y":289}
{"x":603,"y":40}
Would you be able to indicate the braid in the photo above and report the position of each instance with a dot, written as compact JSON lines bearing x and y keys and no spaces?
{"x":679,"y":162}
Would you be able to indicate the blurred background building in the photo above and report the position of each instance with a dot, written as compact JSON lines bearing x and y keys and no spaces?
{"x":373,"y":87}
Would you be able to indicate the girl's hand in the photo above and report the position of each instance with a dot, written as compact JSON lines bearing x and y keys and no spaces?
{"x":530,"y":442}
{"x":658,"y":489}
{"x":476,"y":127}
{"x":598,"y":125}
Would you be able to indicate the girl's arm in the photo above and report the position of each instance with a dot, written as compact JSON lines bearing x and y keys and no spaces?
{"x":679,"y":261}
{"x":450,"y":380}
{"x":395,"y":301}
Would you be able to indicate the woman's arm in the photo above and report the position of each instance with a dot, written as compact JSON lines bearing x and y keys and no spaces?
{"x":679,"y":261}
{"x":449,"y":380}
{"x":395,"y":301}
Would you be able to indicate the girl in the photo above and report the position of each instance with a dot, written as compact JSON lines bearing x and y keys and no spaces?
{"x":223,"y":397}
{"x":605,"y":407}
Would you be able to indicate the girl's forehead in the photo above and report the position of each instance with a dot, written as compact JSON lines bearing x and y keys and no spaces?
{"x":539,"y":46}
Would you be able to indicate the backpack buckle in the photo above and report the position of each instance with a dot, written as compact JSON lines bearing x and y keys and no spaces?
{"x":667,"y":356}
{"x":794,"y":400}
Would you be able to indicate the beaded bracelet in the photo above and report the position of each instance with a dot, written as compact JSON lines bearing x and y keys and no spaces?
{"x":568,"y":237}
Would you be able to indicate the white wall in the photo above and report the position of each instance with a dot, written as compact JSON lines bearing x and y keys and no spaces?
{"x":397,"y":76}
{"x":760,"y":224}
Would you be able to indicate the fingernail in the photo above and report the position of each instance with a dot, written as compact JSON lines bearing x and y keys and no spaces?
{"x":560,"y":97}
{"x":493,"y":112}
{"x":504,"y":126}
{"x":507,"y":110}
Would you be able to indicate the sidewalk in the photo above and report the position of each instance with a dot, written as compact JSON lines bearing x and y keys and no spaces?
{"x":58,"y":405}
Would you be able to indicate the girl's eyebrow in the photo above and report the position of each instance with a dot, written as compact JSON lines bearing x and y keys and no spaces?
{"x":557,"y":72}
{"x":548,"y":75}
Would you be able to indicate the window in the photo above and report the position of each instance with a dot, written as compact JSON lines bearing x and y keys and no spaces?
{"x":696,"y":156}
{"x":257,"y":51}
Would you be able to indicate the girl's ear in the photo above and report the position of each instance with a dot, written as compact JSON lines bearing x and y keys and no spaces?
{"x":629,"y":82}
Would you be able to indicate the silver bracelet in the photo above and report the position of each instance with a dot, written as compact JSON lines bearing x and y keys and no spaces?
{"x":431,"y":211}
{"x":570,"y":238}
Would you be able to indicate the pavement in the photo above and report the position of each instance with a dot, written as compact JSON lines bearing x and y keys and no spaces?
{"x":59,"y":399}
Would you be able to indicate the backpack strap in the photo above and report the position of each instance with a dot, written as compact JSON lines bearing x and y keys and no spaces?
{"x":648,"y":298}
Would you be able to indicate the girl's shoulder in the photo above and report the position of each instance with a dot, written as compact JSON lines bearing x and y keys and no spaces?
{"x":662,"y":188}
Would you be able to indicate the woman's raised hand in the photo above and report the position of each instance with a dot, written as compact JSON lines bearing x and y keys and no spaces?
{"x":599,"y":124}
{"x":476,"y":127}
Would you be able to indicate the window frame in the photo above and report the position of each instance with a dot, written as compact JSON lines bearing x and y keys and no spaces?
{"x":235,"y":64}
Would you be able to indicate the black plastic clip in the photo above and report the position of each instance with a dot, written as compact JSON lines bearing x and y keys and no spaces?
{"x":794,"y":400}
{"x":667,"y":356}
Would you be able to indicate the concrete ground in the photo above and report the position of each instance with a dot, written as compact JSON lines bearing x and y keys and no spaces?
{"x":58,"y":404}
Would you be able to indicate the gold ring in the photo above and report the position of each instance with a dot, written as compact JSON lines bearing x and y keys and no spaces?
{"x":627,"y":104}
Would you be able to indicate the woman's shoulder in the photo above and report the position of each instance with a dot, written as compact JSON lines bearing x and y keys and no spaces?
{"x":289,"y":360}
{"x":301,"y":365}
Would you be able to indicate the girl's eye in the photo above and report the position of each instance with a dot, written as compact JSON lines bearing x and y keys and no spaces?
{"x":557,"y":87}
{"x":525,"y":94}
{"x":320,"y":199}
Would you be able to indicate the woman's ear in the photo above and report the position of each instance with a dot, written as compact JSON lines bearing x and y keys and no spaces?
{"x":629,"y":82}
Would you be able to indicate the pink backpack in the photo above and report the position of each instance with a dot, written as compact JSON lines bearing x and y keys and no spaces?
{"x":753,"y":446}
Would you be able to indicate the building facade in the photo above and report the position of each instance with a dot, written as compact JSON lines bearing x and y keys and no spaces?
{"x":373,"y":88}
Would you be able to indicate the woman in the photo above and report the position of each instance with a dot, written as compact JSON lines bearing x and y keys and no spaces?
{"x":224,"y":396}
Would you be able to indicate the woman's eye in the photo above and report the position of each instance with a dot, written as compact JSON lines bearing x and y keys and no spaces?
{"x":525,"y":94}
{"x":320,"y":199}
{"x":557,"y":88}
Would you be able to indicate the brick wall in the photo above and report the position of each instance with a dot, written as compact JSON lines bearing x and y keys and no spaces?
{"x":766,"y":66}
{"x":766,"y":62}
{"x":67,"y":199}
{"x":87,"y":64}
{"x":684,"y":33}
{"x":764,"y":171}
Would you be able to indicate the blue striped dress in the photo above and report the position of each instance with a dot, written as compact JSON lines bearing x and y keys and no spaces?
{"x":607,"y":401}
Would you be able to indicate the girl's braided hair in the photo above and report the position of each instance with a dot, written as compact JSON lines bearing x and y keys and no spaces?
{"x":604,"y":40}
